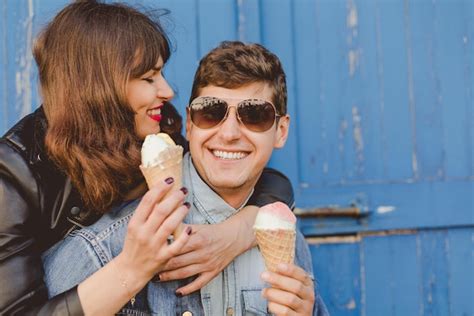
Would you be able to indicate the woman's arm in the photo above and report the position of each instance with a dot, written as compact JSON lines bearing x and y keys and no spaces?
{"x":22,"y":289}
{"x":212,"y":247}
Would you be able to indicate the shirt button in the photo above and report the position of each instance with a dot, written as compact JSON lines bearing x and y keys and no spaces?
{"x":229,"y":311}
{"x":75,"y":211}
{"x":187,"y":313}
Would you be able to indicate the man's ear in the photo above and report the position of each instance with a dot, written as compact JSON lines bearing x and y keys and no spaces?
{"x":283,"y":128}
{"x":188,"y":123}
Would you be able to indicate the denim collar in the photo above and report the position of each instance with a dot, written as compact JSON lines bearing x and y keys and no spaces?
{"x":209,"y":204}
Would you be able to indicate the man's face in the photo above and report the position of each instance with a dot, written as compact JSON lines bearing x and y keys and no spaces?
{"x":229,"y":157}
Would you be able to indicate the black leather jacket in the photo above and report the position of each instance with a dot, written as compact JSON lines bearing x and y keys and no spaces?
{"x":39,"y":206}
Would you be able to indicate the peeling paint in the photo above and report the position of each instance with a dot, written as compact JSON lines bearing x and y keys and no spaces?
{"x":357,"y":133}
{"x":464,"y":39}
{"x":351,"y":304}
{"x":352,"y":18}
{"x":353,"y":57}
{"x":325,"y":168}
{"x":382,"y":209}
{"x":342,"y":133}
{"x":22,"y":77}
{"x":414,"y":165}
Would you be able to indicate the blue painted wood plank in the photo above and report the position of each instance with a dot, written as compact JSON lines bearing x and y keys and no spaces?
{"x":217,"y":21}
{"x":277,"y":25}
{"x":469,"y":73}
{"x":4,"y":123}
{"x":366,"y":111}
{"x":394,"y":206}
{"x":395,"y":124}
{"x":391,"y":273}
{"x":461,"y":271}
{"x":333,"y":66}
{"x":449,"y":39}
{"x":336,"y":267}
{"x":426,"y":105}
{"x":249,"y":13}
{"x":311,"y":113}
{"x":432,"y":253}
{"x":19,"y":60}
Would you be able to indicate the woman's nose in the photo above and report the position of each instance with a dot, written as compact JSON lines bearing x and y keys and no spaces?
{"x":164,"y":90}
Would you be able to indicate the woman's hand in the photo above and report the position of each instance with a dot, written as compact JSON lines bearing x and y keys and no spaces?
{"x":291,"y":292}
{"x":210,"y":249}
{"x":146,"y":249}
{"x":145,"y":252}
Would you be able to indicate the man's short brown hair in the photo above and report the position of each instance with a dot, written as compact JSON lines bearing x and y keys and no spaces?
{"x":234,"y":64}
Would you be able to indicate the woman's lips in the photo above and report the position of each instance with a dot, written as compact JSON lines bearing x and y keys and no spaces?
{"x":156,"y":117}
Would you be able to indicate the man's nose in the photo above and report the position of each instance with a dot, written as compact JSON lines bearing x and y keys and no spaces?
{"x":230,"y":128}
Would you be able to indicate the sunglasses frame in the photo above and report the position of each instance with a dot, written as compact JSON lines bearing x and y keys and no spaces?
{"x":226,"y":101}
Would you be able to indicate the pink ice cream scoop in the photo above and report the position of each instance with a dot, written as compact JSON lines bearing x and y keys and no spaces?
{"x":275,"y":231}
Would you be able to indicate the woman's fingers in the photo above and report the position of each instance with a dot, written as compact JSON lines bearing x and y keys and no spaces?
{"x":198,"y":283}
{"x":179,"y":243}
{"x":162,"y":210}
{"x":149,"y":201}
{"x":279,"y":309}
{"x":169,"y":224}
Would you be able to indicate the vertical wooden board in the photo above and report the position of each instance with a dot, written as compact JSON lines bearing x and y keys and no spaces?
{"x":4,"y":124}
{"x":217,"y":21}
{"x":181,"y":25}
{"x":432,"y":253}
{"x":395,"y":123}
{"x":333,"y":65}
{"x":365,"y":88}
{"x":426,"y":105}
{"x":461,"y":271}
{"x":277,"y":27}
{"x":309,"y":125}
{"x":336,"y":267}
{"x":450,"y":34}
{"x":19,"y":60}
{"x":249,"y":13}
{"x":469,"y":73}
{"x":391,"y":273}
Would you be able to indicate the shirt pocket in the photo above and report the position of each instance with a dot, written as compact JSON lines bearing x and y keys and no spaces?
{"x":253,"y":302}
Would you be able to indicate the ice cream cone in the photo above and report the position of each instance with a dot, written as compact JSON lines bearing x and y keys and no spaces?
{"x":169,"y":164}
{"x":276,"y":246}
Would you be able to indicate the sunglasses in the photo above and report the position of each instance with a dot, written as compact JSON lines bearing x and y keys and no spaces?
{"x":255,"y":114}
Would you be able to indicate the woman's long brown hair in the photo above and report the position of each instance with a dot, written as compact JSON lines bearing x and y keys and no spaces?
{"x":85,"y":57}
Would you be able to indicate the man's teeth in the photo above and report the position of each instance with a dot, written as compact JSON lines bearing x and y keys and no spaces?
{"x":154,"y":112}
{"x":228,"y":155}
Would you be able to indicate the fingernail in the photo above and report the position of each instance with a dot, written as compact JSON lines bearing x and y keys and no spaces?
{"x":189,"y":230}
{"x":156,"y":278}
{"x":178,"y":294}
{"x":184,"y":190}
{"x":187,"y":204}
{"x":265,"y":276}
{"x":169,"y":180}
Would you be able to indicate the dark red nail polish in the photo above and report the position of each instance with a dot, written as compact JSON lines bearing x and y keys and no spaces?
{"x":184,"y":190}
{"x":189,"y":230}
{"x":187,"y":204}
{"x":169,"y":180}
{"x":178,"y":294}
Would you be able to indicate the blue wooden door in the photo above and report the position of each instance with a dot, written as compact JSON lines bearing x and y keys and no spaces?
{"x":381,"y":150}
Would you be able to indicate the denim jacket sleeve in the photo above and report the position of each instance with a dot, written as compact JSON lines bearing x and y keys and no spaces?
{"x":69,"y":262}
{"x":303,"y":259}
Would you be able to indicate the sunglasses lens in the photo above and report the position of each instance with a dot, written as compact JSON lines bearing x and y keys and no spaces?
{"x":207,"y":112}
{"x":257,"y":115}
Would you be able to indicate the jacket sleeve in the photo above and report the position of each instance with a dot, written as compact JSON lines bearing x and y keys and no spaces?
{"x":22,"y":289}
{"x":272,"y":186}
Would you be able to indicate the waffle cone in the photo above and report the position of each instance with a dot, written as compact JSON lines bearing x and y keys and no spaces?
{"x":169,"y":164}
{"x":276,"y":246}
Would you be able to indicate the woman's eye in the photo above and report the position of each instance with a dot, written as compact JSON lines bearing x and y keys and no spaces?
{"x":149,"y":80}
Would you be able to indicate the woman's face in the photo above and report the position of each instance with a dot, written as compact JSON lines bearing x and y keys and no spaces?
{"x":146,"y":95}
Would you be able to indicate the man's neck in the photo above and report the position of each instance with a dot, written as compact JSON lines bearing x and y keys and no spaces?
{"x":235,"y":197}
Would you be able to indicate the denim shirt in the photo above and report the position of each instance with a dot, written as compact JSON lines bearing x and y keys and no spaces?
{"x":235,"y":291}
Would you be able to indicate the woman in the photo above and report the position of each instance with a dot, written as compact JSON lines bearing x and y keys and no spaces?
{"x":77,"y":156}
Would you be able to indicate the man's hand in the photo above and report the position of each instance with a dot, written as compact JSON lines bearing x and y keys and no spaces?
{"x":291,"y":291}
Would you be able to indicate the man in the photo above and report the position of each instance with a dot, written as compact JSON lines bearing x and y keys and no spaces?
{"x":236,"y":116}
